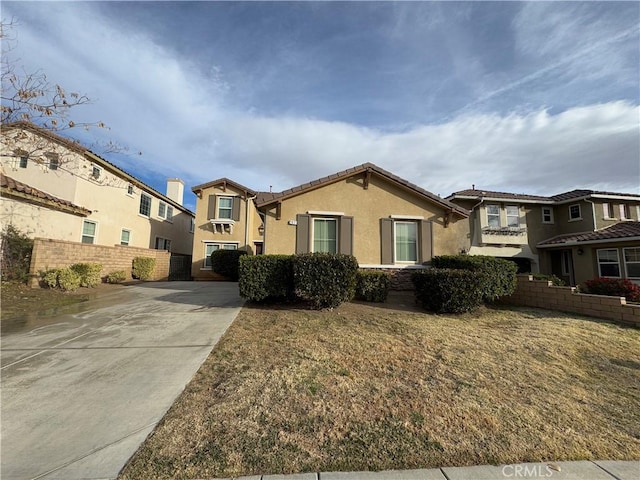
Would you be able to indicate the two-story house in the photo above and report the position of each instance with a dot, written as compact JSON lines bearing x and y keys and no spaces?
{"x":576,"y":235}
{"x":55,"y":188}
{"x":365,"y":211}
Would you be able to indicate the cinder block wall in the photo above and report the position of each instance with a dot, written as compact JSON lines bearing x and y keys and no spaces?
{"x":48,"y":253}
{"x":540,"y":293}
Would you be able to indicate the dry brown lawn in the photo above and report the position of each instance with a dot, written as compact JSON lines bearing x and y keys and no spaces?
{"x":367,"y":387}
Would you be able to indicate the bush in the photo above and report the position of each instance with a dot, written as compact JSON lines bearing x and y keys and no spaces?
{"x":225,"y":262}
{"x":89,"y":273}
{"x":325,"y":279}
{"x":613,"y":287}
{"x":143,"y":267}
{"x":556,"y":281}
{"x":373,"y":286}
{"x":16,"y":254}
{"x":499,"y":274}
{"x":447,"y":290}
{"x":63,"y":278}
{"x":118,"y":276}
{"x":265,"y":277}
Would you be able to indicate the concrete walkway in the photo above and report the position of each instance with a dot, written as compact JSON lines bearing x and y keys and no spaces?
{"x":81,"y":391}
{"x":584,"y":470}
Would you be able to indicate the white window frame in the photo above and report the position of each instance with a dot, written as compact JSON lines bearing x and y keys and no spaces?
{"x":608,"y":263}
{"x":220,"y":245}
{"x":313,"y":232}
{"x":625,"y":211}
{"x":395,"y":244}
{"x":607,"y":209}
{"x":143,"y":195}
{"x":93,"y":237}
{"x":130,"y":190}
{"x":579,"y":217}
{"x":129,"y":238}
{"x":96,"y":172}
{"x":162,"y":209}
{"x":517,"y":216}
{"x":626,"y":262}
{"x":169,"y":217}
{"x":489,"y":215}
{"x":549,"y":211}
{"x":219,"y":207}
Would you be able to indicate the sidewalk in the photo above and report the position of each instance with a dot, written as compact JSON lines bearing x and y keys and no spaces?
{"x":583,"y":470}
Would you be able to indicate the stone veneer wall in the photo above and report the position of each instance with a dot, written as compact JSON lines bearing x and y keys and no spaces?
{"x":48,"y":253}
{"x":540,"y":293}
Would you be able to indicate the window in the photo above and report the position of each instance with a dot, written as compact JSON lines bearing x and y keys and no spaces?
{"x":89,"y":231}
{"x":406,"y":242}
{"x":23,"y":162}
{"x":95,"y":172}
{"x":575,"y":213}
{"x":125,"y":237}
{"x":129,"y":189}
{"x":193,"y":225}
{"x":625,"y":213}
{"x":325,"y":235}
{"x":632,"y":261}
{"x":513,"y":216}
{"x":493,"y":216}
{"x":145,"y":204}
{"x":169,"y":212}
{"x":608,"y":262}
{"x":607,"y":208}
{"x":53,"y":161}
{"x":162,"y":209}
{"x":209,"y":248}
{"x":163,"y":243}
{"x":547,"y":215}
{"x":225,"y":207}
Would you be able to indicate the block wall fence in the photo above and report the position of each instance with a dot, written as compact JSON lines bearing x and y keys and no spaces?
{"x":542,"y":294}
{"x":49,"y":254}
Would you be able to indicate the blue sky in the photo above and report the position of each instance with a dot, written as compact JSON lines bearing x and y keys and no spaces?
{"x":537,"y":97}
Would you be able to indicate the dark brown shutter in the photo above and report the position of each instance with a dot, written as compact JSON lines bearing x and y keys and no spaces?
{"x":425,"y":233}
{"x":386,"y":241}
{"x":346,"y":235}
{"x":235,"y":211}
{"x":302,"y":233}
{"x":211,"y":209}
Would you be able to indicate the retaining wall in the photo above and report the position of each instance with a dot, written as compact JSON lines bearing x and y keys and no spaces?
{"x":48,"y":253}
{"x":542,"y":294}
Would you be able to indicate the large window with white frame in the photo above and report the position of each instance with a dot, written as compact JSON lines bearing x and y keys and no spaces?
{"x":325,"y":235}
{"x":209,"y":248}
{"x":547,"y":215}
{"x":145,"y":204}
{"x":406,"y":242}
{"x":608,"y":262}
{"x":513,"y":216}
{"x":89,"y":231}
{"x":632,"y":262}
{"x":225,"y":208}
{"x":162,"y":209}
{"x":493,"y":216}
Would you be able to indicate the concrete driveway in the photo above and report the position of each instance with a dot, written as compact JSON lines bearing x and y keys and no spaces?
{"x":81,"y":391}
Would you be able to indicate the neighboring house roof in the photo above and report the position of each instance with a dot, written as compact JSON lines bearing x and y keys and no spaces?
{"x":267,"y":198}
{"x":618,"y":232}
{"x":223,"y":181}
{"x":12,"y":188}
{"x":574,"y":195}
{"x":77,"y":147}
{"x":474,"y":194}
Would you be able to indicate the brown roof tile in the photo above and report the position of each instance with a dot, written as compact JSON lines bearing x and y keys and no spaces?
{"x":574,"y":194}
{"x":476,"y":193}
{"x":223,"y":180}
{"x":617,"y":232}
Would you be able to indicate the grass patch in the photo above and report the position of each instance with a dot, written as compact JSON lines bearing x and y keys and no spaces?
{"x":369,"y":388}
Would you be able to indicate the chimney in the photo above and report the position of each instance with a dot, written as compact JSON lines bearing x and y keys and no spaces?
{"x":175,"y":189}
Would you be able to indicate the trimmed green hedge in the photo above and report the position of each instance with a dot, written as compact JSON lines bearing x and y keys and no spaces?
{"x":63,"y":278}
{"x":324,"y":279}
{"x":373,"y":286}
{"x":89,"y":273}
{"x":265,"y":277}
{"x":448,"y":291}
{"x":225,"y":262}
{"x":117,"y":276}
{"x":143,"y":267}
{"x":499,"y":274}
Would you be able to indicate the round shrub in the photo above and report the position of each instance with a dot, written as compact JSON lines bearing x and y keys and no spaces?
{"x":373,"y":286}
{"x":263,"y":277}
{"x":447,"y":290}
{"x":118,"y":276}
{"x":89,"y":273}
{"x":143,"y":267}
{"x":325,"y":279}
{"x":225,"y":262}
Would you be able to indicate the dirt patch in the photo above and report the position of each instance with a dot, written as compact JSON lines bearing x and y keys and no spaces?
{"x":366,"y":387}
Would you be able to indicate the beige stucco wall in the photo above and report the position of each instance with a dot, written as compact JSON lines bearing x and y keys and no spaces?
{"x":245,"y":232}
{"x":367,"y":206}
{"x":112,"y":208}
{"x":602,"y":222}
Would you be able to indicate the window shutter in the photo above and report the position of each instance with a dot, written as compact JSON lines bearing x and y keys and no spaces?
{"x":425,"y":237}
{"x":302,"y":233}
{"x":386,"y":241}
{"x":235,"y":211}
{"x":211,"y":210}
{"x":346,"y":235}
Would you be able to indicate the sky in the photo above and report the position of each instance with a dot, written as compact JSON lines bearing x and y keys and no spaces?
{"x":522,"y":97}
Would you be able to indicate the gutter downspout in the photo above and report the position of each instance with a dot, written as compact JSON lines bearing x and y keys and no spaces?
{"x":246,"y":222}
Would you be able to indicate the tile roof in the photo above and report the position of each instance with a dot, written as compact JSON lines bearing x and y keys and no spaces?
{"x":265,"y":198}
{"x":475,"y":193}
{"x":574,"y":194}
{"x":617,"y":232}
{"x":223,"y":180}
{"x":11,"y":187}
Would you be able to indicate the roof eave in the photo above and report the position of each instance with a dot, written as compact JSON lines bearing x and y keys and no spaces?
{"x":590,"y":242}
